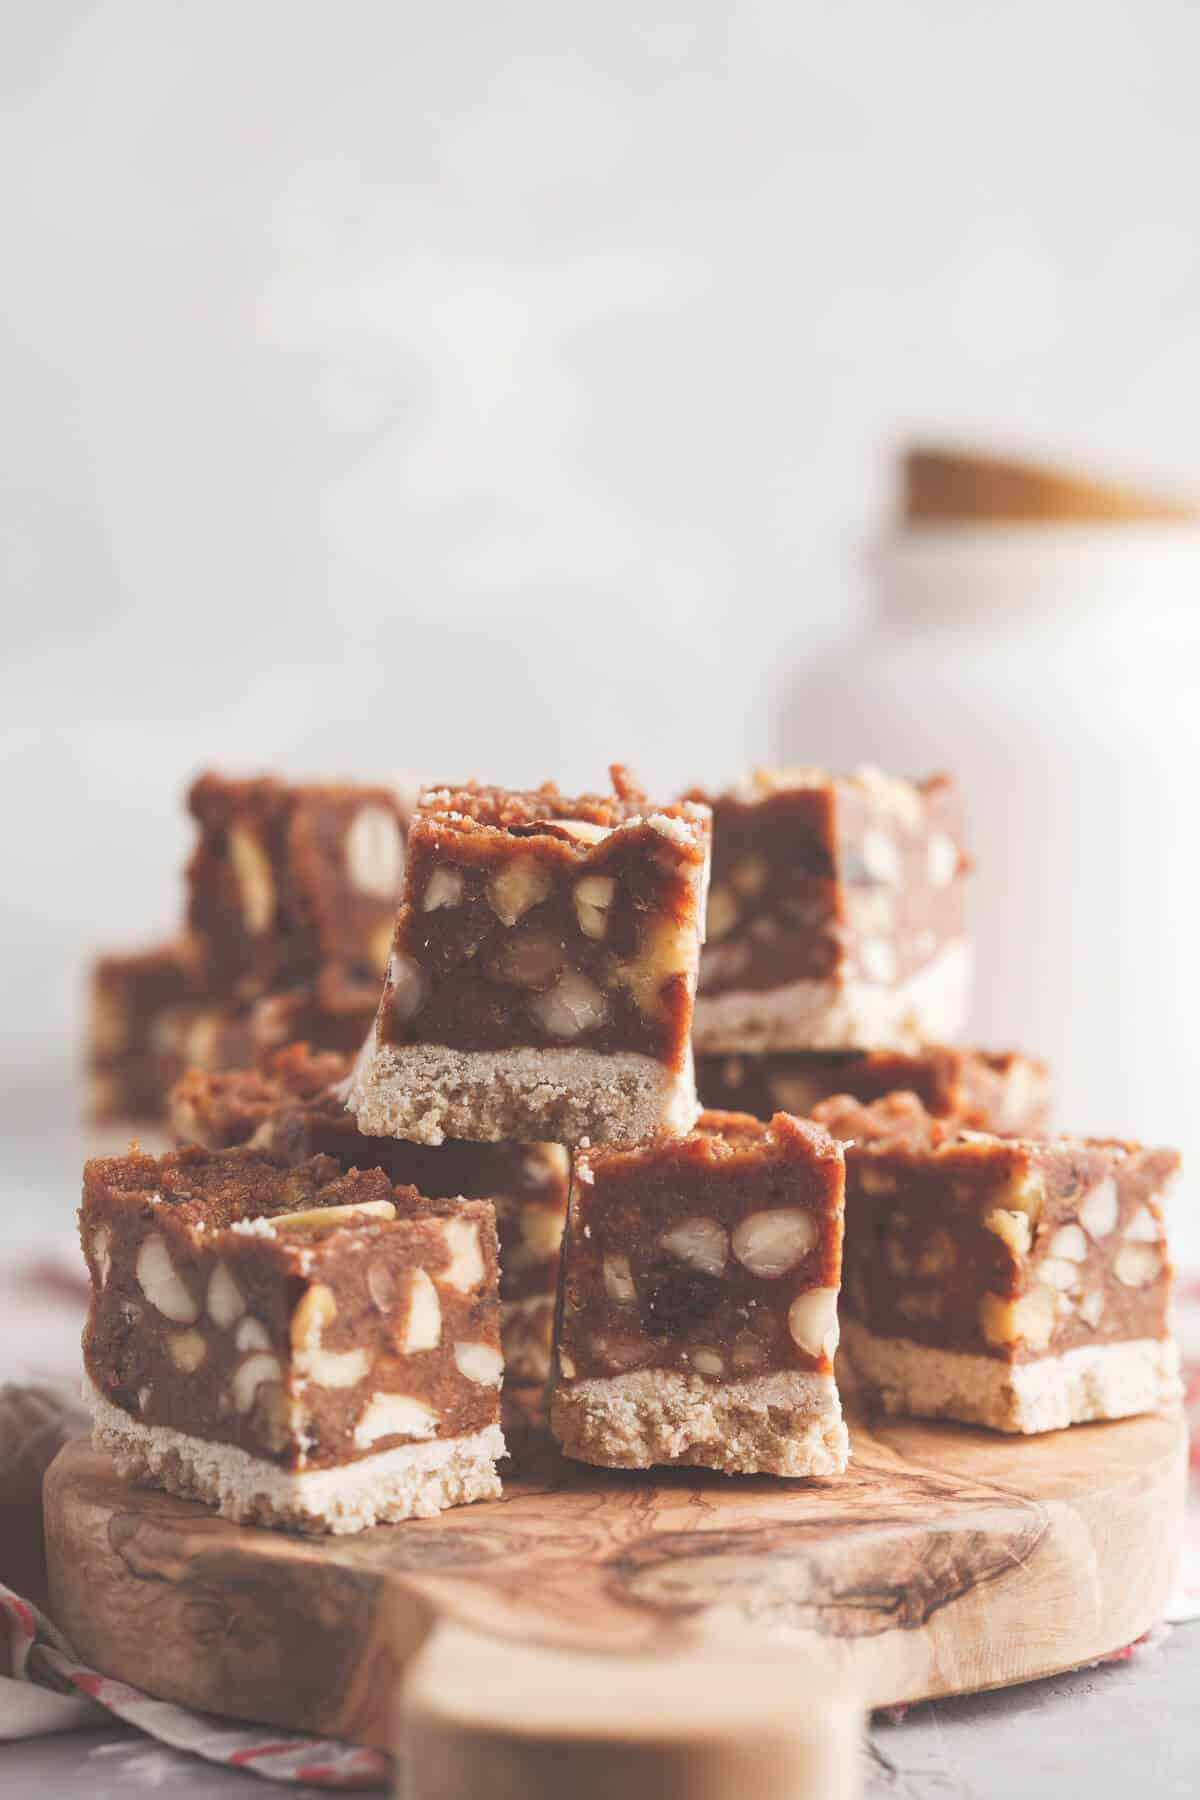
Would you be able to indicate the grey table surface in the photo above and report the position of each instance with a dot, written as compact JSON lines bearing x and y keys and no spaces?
{"x":1131,"y":1727}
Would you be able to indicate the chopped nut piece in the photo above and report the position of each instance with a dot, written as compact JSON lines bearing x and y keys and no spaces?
{"x":375,"y":852}
{"x":1055,"y":1272}
{"x":102,"y":1252}
{"x":465,"y":1269}
{"x":574,"y":1005}
{"x":722,"y":915}
{"x":251,"y":1334}
{"x":1012,"y":1228}
{"x":444,"y":888}
{"x":708,"y":1362}
{"x":394,"y":1415}
{"x":593,"y":899}
{"x":406,"y":986}
{"x":813,"y":1323}
{"x":1069,"y":1242}
{"x":333,"y":1218}
{"x":249,"y":1376}
{"x":1098,"y":1213}
{"x":1029,"y":1320}
{"x":1143,"y":1228}
{"x":423,"y":1327}
{"x":315,"y":1309}
{"x":880,"y":856}
{"x":532,"y":958}
{"x":618,"y":1280}
{"x":161,"y":1283}
{"x":517,"y":886}
{"x":481,"y":1363}
{"x":225,"y":1303}
{"x":769,"y":1243}
{"x":252,"y":868}
{"x":700,"y":1243}
{"x":1137,"y":1265}
{"x":937,"y":1256}
{"x":187,"y":1349}
{"x":1091,"y":1308}
{"x":542,"y":1227}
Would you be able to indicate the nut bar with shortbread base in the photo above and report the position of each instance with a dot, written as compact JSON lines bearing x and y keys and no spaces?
{"x":289,"y":880}
{"x":836,"y":915}
{"x":297,"y":1346}
{"x":983,"y":1090}
{"x":543,"y":970}
{"x":294,"y":1106}
{"x":699,"y":1310}
{"x":1017,"y":1284}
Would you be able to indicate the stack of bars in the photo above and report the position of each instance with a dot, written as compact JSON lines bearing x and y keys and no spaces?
{"x":299,"y":1314}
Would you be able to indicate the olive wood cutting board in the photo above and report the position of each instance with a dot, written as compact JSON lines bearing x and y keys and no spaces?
{"x":945,"y":1560}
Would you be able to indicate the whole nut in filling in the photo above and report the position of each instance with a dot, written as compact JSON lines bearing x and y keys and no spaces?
{"x":769,"y":1243}
{"x":593,"y":898}
{"x":102,"y":1252}
{"x":465,"y":1270}
{"x":256,"y":884}
{"x":1136,"y":1265}
{"x":518,"y":885}
{"x":1098,"y":1213}
{"x":1029,"y":1320}
{"x":619,"y":1284}
{"x":406,"y":987}
{"x":162,"y":1284}
{"x":531,"y":958}
{"x":444,"y":888}
{"x":249,"y":1376}
{"x":423,"y":1325}
{"x":375,"y":852}
{"x":187,"y":1349}
{"x":700,"y":1243}
{"x":722,"y":913}
{"x":574,"y":1005}
{"x":813,"y":1323}
{"x":225,"y":1303}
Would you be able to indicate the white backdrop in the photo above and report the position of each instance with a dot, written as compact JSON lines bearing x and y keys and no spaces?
{"x":494,"y":389}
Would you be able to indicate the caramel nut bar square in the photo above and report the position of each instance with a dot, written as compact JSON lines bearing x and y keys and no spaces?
{"x":981,"y":1090}
{"x":836,"y":915}
{"x":288,"y":879}
{"x":543,"y":970}
{"x":294,"y":1107}
{"x":136,"y":1003}
{"x":297,"y":1346}
{"x":699,"y":1312}
{"x":1016,"y":1284}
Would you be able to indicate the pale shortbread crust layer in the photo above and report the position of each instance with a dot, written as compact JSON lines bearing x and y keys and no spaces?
{"x":929,"y":1008}
{"x":526,"y":1334}
{"x":1092,"y":1381}
{"x":412,"y":1481}
{"x":429,"y":1092}
{"x":788,"y":1423}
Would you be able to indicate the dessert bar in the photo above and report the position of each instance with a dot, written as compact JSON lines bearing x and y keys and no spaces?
{"x":298,"y":1346}
{"x":543,"y":970}
{"x":982,"y":1090}
{"x":1021,"y":1285}
{"x":699,"y":1313}
{"x":836,"y":916}
{"x":138,"y":1006}
{"x":294,"y":1107}
{"x":289,"y":880}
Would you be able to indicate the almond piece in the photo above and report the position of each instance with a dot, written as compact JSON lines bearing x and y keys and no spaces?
{"x":813,"y":1323}
{"x":249,"y":1376}
{"x":593,"y":898}
{"x":256,"y":884}
{"x":444,"y":888}
{"x":480,"y":1363}
{"x":423,"y":1327}
{"x":722,"y":914}
{"x":699,"y":1243}
{"x":769,"y":1243}
{"x":225,"y":1303}
{"x":375,"y":852}
{"x":619,"y":1284}
{"x":1136,"y":1265}
{"x":394,"y":1415}
{"x":573,"y":1006}
{"x":162,"y":1284}
{"x":332,"y":1218}
{"x":187,"y":1349}
{"x":465,"y":1270}
{"x":1098,"y":1213}
{"x":520,"y":883}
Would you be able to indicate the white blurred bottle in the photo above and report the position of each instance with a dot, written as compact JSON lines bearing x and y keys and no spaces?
{"x":1055,"y":668}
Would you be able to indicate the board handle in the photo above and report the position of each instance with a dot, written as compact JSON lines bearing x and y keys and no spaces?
{"x":479,"y":1716}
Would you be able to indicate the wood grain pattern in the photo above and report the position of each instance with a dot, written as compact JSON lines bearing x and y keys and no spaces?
{"x":945,"y":1560}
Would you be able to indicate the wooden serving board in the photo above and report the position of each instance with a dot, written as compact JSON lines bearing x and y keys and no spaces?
{"x":945,"y":1560}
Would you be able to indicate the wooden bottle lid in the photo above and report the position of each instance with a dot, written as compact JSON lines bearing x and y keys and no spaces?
{"x":945,"y":486}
